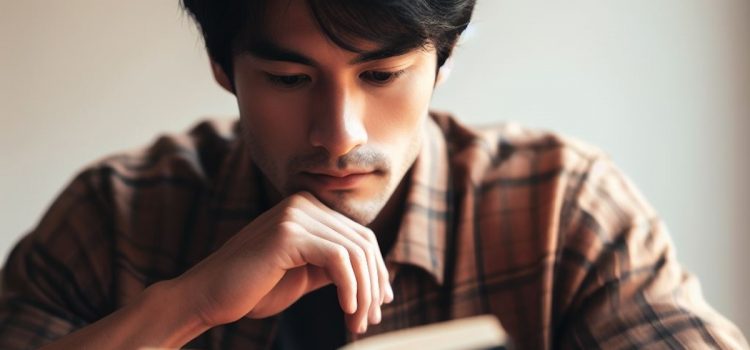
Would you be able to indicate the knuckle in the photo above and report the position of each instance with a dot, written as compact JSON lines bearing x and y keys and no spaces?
{"x":360,"y":255}
{"x":288,"y":230}
{"x":370,"y":235}
{"x":296,"y":200}
{"x":340,"y":255}
{"x":304,"y":197}
{"x":291,"y":213}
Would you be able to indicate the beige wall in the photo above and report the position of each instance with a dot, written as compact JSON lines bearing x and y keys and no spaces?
{"x":662,"y":86}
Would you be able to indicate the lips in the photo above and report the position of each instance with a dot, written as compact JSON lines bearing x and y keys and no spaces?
{"x":336,"y":180}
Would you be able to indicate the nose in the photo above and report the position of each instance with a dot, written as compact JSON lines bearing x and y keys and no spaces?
{"x":337,"y":123}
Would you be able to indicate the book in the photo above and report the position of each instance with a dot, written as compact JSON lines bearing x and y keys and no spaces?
{"x":479,"y":332}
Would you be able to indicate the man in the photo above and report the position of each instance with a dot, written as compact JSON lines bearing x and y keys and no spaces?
{"x":339,"y":207}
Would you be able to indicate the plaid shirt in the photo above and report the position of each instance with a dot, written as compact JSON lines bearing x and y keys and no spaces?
{"x":539,"y":230}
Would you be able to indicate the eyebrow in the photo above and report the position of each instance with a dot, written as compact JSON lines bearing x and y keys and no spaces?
{"x":272,"y":52}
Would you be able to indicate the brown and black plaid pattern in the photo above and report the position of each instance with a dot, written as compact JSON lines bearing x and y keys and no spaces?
{"x":541,"y":231}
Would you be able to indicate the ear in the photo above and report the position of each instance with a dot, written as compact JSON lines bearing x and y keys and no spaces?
{"x":444,"y":72}
{"x":221,"y":77}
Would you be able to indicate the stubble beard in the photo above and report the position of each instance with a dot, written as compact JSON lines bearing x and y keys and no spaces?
{"x":362,"y":211}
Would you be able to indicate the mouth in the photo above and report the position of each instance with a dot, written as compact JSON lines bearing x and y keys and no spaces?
{"x":336,"y":180}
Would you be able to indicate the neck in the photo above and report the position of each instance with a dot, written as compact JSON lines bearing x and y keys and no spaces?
{"x":386,"y":224}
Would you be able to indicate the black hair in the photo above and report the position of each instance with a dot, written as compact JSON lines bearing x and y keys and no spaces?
{"x":400,"y":24}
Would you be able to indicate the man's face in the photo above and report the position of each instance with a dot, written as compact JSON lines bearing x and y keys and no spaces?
{"x":344,"y":126}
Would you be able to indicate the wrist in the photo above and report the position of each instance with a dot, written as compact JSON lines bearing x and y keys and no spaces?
{"x":174,"y":312}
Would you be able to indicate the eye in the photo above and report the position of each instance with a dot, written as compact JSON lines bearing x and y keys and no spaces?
{"x":381,"y":77}
{"x":288,"y":81}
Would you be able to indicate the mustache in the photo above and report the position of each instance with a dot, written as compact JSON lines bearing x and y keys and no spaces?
{"x":359,"y":158}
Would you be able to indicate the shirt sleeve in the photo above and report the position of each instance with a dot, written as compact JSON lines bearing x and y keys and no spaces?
{"x":57,"y":277}
{"x":627,"y":289}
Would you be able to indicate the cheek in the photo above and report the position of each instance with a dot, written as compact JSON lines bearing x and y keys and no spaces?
{"x":396,"y":118}
{"x":273,"y":132}
{"x":272,"y":121}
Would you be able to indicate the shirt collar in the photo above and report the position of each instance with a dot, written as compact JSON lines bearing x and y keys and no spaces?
{"x":421,"y":239}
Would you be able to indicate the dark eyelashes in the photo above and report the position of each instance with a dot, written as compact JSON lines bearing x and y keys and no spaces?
{"x":379,"y":78}
{"x":288,"y":81}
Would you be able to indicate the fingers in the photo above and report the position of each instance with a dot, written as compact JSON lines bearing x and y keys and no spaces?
{"x":357,"y":239}
{"x":383,"y":275}
{"x":362,"y":263}
{"x":378,"y":272}
{"x":334,"y":258}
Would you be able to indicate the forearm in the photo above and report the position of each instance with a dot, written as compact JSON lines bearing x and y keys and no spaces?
{"x":160,"y":317}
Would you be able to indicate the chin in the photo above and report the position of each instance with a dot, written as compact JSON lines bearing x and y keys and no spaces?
{"x":362,"y":211}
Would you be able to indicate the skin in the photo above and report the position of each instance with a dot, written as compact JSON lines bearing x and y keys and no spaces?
{"x":334,"y":137}
{"x":308,"y":125}
{"x":335,"y":118}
